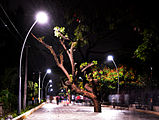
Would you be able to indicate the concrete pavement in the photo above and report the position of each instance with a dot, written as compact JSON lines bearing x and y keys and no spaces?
{"x":52,"y":111}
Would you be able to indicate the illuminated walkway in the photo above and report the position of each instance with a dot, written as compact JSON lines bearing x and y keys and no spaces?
{"x":59,"y":112}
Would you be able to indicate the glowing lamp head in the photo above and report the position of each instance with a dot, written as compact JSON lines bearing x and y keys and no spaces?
{"x":50,"y":81}
{"x":51,"y":89}
{"x":42,"y":17}
{"x":110,"y":58}
{"x":48,"y":71}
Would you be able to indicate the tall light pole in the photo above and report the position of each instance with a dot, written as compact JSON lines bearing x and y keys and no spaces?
{"x":47,"y":72}
{"x":110,"y":58}
{"x":50,"y":81}
{"x":39,"y":87}
{"x":42,"y":18}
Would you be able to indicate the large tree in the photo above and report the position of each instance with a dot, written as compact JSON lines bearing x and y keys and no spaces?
{"x":76,"y":70}
{"x":82,"y":79}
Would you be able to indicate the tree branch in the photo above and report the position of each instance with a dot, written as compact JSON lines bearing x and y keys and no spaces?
{"x":66,"y":38}
{"x":55,"y":56}
{"x":83,"y":92}
{"x":70,"y":55}
{"x":48,"y":47}
{"x":87,"y":87}
{"x":87,"y":67}
{"x":61,"y":59}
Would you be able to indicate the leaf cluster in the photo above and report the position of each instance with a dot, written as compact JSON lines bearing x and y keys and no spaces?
{"x":109,"y":77}
{"x":148,"y":46}
{"x":58,"y":31}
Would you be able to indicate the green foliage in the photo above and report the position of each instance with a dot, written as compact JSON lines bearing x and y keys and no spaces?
{"x":109,"y":77}
{"x":79,"y":33}
{"x":32,"y":89}
{"x":71,"y":77}
{"x":8,"y":89}
{"x":8,"y":99}
{"x":86,"y":64}
{"x":58,"y":31}
{"x":74,"y":44}
{"x":94,"y":62}
{"x":146,"y":48}
{"x":83,"y":64}
{"x":9,"y":79}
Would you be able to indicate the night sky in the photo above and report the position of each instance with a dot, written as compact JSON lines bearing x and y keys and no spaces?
{"x":120,"y":43}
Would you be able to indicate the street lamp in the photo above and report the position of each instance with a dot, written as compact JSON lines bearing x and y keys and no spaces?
{"x":110,"y":58}
{"x":50,"y":81}
{"x":47,"y":72}
{"x":51,"y":89}
{"x":41,"y":18}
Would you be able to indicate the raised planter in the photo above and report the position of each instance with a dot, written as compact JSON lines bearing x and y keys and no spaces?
{"x":1,"y":109}
{"x":24,"y":115}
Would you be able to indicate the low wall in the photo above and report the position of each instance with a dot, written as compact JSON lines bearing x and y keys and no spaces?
{"x":156,"y":108}
{"x":24,"y":115}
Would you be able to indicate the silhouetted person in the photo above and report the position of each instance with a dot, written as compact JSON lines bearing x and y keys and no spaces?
{"x":57,"y":100}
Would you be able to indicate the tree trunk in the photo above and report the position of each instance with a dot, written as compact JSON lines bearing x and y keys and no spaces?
{"x":70,"y":97}
{"x":97,"y":105}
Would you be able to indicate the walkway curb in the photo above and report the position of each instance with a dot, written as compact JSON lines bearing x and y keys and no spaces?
{"x":137,"y":110}
{"x":146,"y":111}
{"x":24,"y":115}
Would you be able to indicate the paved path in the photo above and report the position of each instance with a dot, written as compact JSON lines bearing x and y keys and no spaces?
{"x":59,"y":112}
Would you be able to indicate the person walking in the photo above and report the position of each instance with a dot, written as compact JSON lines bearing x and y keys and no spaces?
{"x":57,"y":100}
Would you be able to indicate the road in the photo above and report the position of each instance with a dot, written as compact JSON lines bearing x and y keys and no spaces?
{"x":74,"y":112}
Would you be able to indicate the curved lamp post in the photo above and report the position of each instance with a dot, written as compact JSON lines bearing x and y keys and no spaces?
{"x":110,"y":58}
{"x":47,"y":72}
{"x":42,"y":18}
{"x":50,"y":81}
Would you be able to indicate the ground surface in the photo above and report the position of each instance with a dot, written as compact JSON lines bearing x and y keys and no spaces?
{"x":75,"y":112}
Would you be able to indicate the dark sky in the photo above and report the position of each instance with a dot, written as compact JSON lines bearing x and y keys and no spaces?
{"x":22,"y":12}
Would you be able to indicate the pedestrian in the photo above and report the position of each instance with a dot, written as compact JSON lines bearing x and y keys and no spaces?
{"x":113,"y":101}
{"x":151,"y":104}
{"x":57,"y":100}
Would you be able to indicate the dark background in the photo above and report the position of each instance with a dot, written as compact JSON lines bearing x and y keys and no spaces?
{"x":120,"y":43}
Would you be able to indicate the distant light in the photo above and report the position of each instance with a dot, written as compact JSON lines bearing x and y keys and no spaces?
{"x":50,"y":85}
{"x":51,"y":89}
{"x":110,"y":58}
{"x":42,"y":17}
{"x":48,"y":71}
{"x":151,"y":68}
{"x":50,"y":81}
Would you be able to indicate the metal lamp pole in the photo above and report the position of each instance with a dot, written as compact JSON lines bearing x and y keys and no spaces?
{"x":41,"y":18}
{"x":20,"y":64}
{"x":47,"y":72}
{"x":110,"y":58}
{"x":39,"y":87}
{"x":50,"y":81}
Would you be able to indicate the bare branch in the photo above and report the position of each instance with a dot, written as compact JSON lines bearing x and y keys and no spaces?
{"x":61,"y":58}
{"x":48,"y":47}
{"x":83,"y":92}
{"x":70,"y":55}
{"x":62,"y":43}
{"x":55,"y":56}
{"x":66,"y":38}
{"x":87,"y":87}
{"x":87,"y":67}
